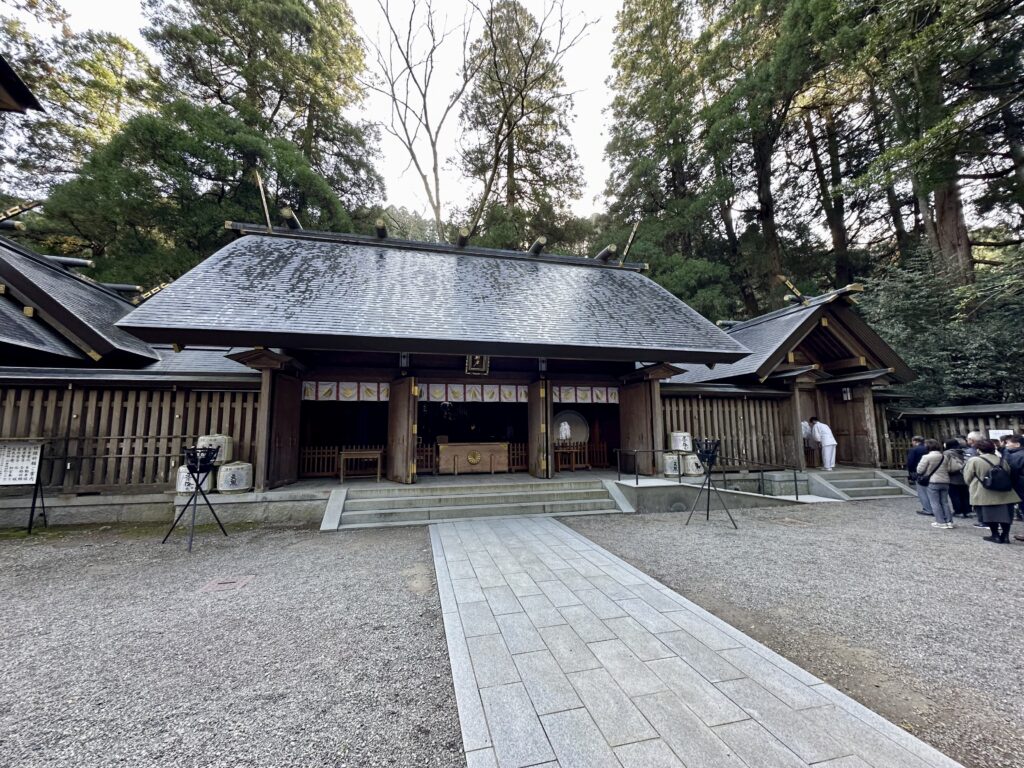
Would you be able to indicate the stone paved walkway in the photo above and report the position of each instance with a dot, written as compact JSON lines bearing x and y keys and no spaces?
{"x":565,"y":656}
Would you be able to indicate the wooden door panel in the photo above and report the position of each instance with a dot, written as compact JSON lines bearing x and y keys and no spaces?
{"x":636,"y":424}
{"x":284,"y":430}
{"x":402,"y":409}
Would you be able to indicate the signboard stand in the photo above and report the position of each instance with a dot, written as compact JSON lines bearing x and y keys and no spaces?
{"x":19,"y":465}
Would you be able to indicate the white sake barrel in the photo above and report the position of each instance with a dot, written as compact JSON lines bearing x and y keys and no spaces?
{"x":186,"y":484}
{"x":672,"y":464}
{"x":692,"y":465}
{"x":682,"y":441}
{"x":223,"y":442}
{"x":235,"y":477}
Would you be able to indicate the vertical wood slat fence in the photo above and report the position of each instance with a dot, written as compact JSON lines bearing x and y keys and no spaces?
{"x":750,"y":428}
{"x":110,"y":438}
{"x":941,"y":427}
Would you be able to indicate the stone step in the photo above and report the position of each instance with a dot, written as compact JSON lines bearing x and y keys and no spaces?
{"x":872,"y":492}
{"x":433,"y":514}
{"x":873,"y":482}
{"x":469,"y":497}
{"x":391,"y":524}
{"x":849,"y":474}
{"x":455,"y":489}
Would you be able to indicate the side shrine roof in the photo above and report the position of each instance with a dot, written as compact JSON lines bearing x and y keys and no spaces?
{"x":14,"y":94}
{"x":772,"y":335}
{"x":74,"y":307}
{"x":324,"y":291}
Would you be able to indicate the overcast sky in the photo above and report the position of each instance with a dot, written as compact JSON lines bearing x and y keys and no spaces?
{"x":586,"y":70}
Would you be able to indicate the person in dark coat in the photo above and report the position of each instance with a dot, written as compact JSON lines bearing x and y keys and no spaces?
{"x":914,"y":456}
{"x":1014,"y":455}
{"x":959,"y":496}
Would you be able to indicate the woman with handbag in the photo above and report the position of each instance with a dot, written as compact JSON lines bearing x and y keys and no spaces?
{"x":985,"y":475}
{"x":932,"y":472}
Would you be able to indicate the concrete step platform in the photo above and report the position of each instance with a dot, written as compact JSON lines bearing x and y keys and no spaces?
{"x":471,"y":497}
{"x":870,"y":482}
{"x":872,"y":492}
{"x":435,"y":513}
{"x":452,"y":489}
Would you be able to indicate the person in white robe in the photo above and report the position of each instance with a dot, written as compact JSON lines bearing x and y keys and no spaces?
{"x":822,"y":435}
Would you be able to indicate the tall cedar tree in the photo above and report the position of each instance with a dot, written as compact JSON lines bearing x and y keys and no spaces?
{"x":516,"y":119}
{"x":286,"y":69}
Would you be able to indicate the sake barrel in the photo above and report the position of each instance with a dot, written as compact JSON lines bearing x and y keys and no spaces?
{"x":682,"y":441}
{"x":235,"y":477}
{"x":185,"y":483}
{"x":223,"y":442}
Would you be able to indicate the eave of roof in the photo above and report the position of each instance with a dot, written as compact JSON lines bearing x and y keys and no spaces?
{"x":850,"y":378}
{"x":82,"y":311}
{"x":15,"y":96}
{"x":18,"y":330}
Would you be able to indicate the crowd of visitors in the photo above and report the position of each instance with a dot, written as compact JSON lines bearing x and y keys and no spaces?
{"x":970,"y":476}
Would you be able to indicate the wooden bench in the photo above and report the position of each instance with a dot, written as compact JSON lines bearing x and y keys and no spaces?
{"x":355,"y":455}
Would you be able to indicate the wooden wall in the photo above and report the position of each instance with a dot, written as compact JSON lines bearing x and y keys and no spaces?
{"x":100,"y":438}
{"x":751,"y":429}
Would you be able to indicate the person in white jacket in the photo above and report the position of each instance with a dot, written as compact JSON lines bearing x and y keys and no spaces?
{"x":822,"y":435}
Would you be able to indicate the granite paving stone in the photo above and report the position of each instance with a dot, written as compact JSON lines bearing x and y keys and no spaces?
{"x":521,"y":584}
{"x":654,"y":753}
{"x":549,"y":688}
{"x":711,"y":636}
{"x":641,"y":642}
{"x":565,"y":656}
{"x":756,"y":746}
{"x":558,"y":593}
{"x":707,"y":702}
{"x":492,"y":663}
{"x":576,"y":740}
{"x":693,"y":742}
{"x":590,"y":628}
{"x":788,"y":725}
{"x":502,"y":600}
{"x":519,"y":633}
{"x":629,"y":672}
{"x":516,"y":731}
{"x":617,"y":717}
{"x":782,"y":684}
{"x":571,"y":653}
{"x":467,"y":590}
{"x":477,"y":619}
{"x":691,"y":650}
{"x":602,"y":605}
{"x":541,"y":611}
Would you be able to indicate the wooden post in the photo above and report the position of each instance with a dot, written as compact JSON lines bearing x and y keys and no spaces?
{"x":539,"y":429}
{"x":795,"y":456}
{"x":402,"y":402}
{"x":262,"y":452}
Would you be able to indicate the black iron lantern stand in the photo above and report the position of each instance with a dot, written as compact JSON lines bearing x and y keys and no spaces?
{"x":707,"y":452}
{"x":199,"y":462}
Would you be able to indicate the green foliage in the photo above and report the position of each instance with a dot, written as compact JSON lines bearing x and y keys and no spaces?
{"x":965,"y":344}
{"x":89,"y":84}
{"x":286,"y":68}
{"x":152,"y":203}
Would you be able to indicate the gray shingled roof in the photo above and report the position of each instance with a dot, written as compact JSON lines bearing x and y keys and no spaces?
{"x":277,"y":291}
{"x":191,"y":365}
{"x":764,"y":334}
{"x":94,"y":306}
{"x":20,"y":331}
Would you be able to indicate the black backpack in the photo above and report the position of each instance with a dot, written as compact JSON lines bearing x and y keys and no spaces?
{"x":998,"y":477}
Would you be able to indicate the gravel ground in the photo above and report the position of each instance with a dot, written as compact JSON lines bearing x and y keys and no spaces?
{"x":333,"y":655}
{"x":921,"y":625}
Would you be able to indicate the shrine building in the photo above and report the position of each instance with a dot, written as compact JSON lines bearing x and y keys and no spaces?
{"x":434,"y":358}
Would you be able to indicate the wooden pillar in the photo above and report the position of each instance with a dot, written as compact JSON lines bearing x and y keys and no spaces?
{"x":865,"y":425}
{"x":402,"y":410}
{"x":261,"y":454}
{"x":795,"y":447}
{"x":539,"y":429}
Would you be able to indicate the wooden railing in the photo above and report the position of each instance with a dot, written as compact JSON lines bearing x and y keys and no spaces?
{"x":322,"y":460}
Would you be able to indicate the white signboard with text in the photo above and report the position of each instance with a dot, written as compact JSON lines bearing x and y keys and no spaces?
{"x":19,"y":462}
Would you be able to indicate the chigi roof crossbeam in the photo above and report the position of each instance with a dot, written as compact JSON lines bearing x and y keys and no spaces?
{"x":416,"y":245}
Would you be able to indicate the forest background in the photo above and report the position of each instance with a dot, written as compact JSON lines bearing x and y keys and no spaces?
{"x":826,"y":141}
